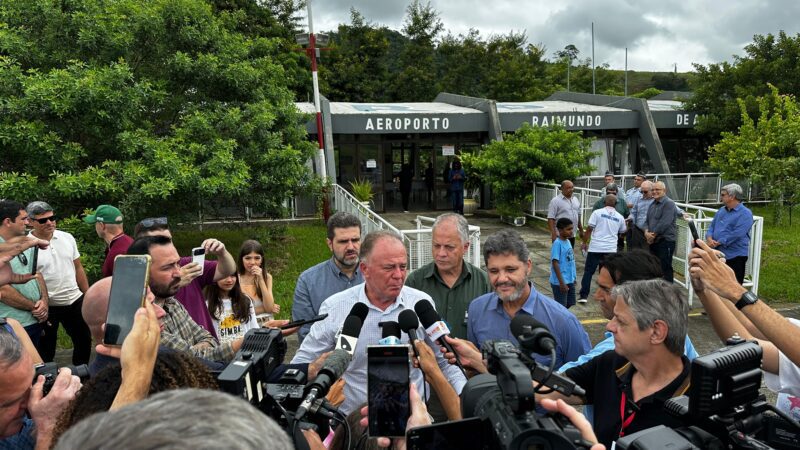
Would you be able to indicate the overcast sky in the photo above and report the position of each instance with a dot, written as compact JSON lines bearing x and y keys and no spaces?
{"x":657,"y":33}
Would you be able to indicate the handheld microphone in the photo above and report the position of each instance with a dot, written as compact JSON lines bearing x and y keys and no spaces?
{"x":409,"y":323}
{"x":348,"y":336}
{"x":532,"y":334}
{"x":390,"y":333}
{"x":331,"y":370}
{"x":335,"y":365}
{"x":435,"y":327}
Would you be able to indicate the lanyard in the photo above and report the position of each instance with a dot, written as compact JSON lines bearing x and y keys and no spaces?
{"x":625,"y":422}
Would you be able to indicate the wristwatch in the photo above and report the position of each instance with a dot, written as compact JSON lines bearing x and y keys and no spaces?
{"x":748,"y":298}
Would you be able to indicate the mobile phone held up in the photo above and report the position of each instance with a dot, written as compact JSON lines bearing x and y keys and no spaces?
{"x":693,"y":230}
{"x":199,"y":257}
{"x":128,"y":287}
{"x":387,"y":390}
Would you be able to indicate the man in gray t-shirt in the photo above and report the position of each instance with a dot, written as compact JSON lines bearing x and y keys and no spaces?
{"x":566,"y":205}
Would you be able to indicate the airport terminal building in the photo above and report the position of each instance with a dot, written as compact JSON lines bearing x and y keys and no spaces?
{"x":373,"y":140}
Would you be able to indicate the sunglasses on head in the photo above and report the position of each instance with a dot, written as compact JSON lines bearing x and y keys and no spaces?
{"x":44,"y":220}
{"x":153,"y":221}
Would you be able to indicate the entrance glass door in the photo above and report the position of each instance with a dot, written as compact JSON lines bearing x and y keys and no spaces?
{"x":370,"y":167}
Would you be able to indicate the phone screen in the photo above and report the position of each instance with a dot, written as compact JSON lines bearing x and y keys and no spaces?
{"x":199,"y":256}
{"x":128,"y":287}
{"x":387,"y":386}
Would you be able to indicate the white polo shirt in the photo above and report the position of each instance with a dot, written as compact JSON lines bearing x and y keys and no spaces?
{"x":56,"y":264}
{"x":607,"y":224}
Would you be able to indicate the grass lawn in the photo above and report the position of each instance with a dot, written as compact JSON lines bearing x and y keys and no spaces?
{"x":290,"y":249}
{"x":780,"y":257}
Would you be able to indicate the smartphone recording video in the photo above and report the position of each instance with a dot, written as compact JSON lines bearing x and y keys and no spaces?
{"x":199,"y":257}
{"x":128,"y":289}
{"x":387,"y":390}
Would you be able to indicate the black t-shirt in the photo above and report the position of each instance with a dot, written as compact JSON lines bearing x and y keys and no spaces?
{"x":605,"y":378}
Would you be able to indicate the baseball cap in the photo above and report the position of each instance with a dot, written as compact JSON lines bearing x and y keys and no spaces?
{"x":104,"y":214}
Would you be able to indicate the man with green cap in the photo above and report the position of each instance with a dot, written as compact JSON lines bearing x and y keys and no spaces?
{"x":107,"y":222}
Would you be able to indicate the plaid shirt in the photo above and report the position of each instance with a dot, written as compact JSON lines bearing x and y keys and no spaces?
{"x":184,"y":334}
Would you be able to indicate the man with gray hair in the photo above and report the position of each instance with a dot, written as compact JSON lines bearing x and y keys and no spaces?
{"x":509,"y":265}
{"x":730,"y":230}
{"x":383,"y":262}
{"x":27,"y":418}
{"x":638,"y":218}
{"x":630,"y":384}
{"x":566,"y":205}
{"x":66,"y":281}
{"x":337,"y":273}
{"x":217,"y":420}
{"x":661,"y":232}
{"x":451,"y":281}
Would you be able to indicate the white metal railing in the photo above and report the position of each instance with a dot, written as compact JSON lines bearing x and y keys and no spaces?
{"x":420,"y":251}
{"x":697,"y":188}
{"x":417,"y":242}
{"x":544,"y":192}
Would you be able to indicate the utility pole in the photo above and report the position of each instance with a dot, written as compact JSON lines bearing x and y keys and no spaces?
{"x":626,"y":71}
{"x":312,"y":53}
{"x":593,"y":76}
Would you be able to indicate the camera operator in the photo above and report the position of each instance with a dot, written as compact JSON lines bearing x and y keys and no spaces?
{"x":733,"y":309}
{"x":27,"y":418}
{"x":629,"y":385}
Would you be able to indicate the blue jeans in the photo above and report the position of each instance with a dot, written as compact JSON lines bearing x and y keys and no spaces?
{"x":593,"y":260}
{"x":565,"y":298}
{"x":664,"y":251}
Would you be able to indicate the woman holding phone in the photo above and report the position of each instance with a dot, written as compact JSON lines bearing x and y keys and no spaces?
{"x":231,"y":310}
{"x":255,"y":281}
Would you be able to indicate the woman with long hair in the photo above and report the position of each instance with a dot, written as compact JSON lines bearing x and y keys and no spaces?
{"x":231,"y":310}
{"x":254,"y":280}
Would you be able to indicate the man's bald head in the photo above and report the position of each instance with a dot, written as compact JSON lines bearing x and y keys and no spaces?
{"x":95,"y":307}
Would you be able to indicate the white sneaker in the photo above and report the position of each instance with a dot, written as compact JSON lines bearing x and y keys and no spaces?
{"x":582,"y":300}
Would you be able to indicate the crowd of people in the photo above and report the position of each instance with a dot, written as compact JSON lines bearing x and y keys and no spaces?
{"x":194,"y":320}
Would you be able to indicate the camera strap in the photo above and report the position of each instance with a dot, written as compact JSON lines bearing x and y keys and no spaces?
{"x":623,"y":402}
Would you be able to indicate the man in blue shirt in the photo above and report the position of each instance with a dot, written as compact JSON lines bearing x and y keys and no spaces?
{"x":509,"y":265}
{"x":730,"y":230}
{"x":638,"y":218}
{"x":337,"y":273}
{"x":616,"y":269}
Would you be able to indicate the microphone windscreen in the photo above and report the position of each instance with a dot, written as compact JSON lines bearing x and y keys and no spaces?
{"x":337,"y":363}
{"x":390,"y":328}
{"x":359,"y":310}
{"x":408,"y":320}
{"x":352,"y":326}
{"x":521,"y":321}
{"x":426,"y":313}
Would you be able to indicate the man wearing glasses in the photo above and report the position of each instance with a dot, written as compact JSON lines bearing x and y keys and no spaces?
{"x":25,"y":302}
{"x":61,"y":268}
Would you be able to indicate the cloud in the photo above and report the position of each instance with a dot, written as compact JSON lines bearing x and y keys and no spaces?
{"x":657,"y":33}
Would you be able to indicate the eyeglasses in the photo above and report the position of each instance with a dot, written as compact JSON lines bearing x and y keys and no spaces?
{"x":153,"y":221}
{"x":645,"y":192}
{"x":23,"y":259}
{"x":44,"y":220}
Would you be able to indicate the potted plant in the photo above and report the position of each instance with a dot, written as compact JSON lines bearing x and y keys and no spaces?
{"x":362,"y":191}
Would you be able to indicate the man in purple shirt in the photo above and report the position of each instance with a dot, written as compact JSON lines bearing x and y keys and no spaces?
{"x":193,"y":278}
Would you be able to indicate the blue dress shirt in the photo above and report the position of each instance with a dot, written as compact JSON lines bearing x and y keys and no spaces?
{"x":731,"y":228}
{"x":488,"y":320}
{"x":316,"y":284}
{"x":322,"y":338}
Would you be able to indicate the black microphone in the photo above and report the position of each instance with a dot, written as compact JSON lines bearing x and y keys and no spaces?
{"x":390,"y":333}
{"x":435,"y":327}
{"x":532,"y":334}
{"x":335,"y":365}
{"x":331,"y":370}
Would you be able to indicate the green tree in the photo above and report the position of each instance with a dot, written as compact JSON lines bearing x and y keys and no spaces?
{"x":416,"y":78}
{"x":515,"y":71}
{"x":461,"y":62}
{"x":356,"y":69}
{"x":530,"y":155}
{"x":719,"y":88}
{"x":158,"y":106}
{"x":766,"y":150}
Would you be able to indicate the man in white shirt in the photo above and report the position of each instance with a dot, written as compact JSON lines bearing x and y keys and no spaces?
{"x":384,"y":264}
{"x":66,"y":281}
{"x":604,"y":228}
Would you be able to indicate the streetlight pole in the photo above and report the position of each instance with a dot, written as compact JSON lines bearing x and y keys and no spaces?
{"x":312,"y":53}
